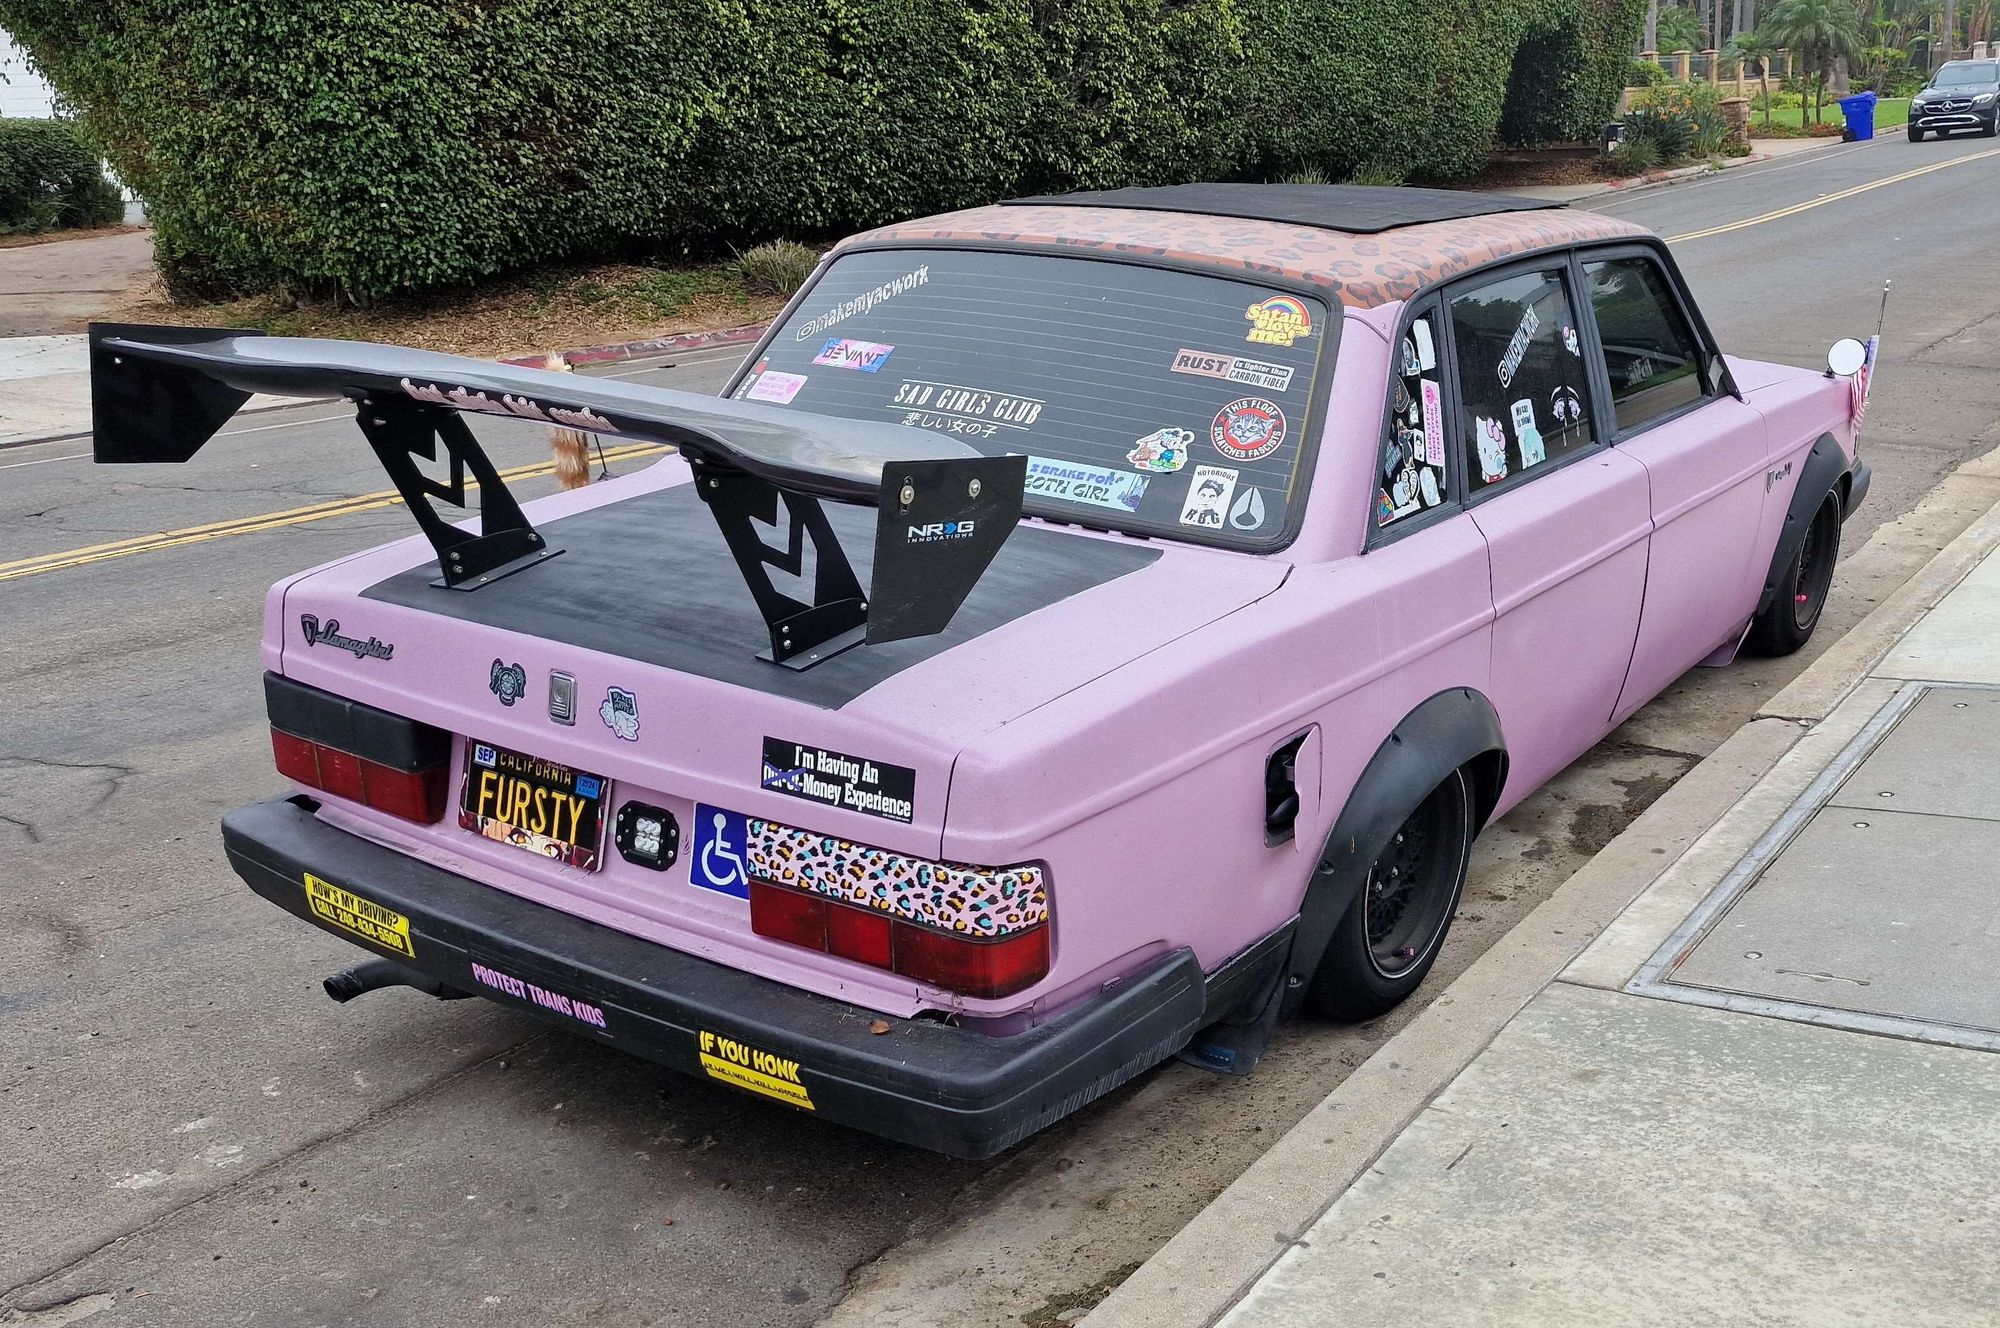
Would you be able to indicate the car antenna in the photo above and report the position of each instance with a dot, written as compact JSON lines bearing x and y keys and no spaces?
{"x":1883,"y":314}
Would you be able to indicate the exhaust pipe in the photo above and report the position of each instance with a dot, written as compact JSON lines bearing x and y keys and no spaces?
{"x":345,"y":985}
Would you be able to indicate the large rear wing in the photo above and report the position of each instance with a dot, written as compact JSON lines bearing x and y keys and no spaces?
{"x":160,"y":393}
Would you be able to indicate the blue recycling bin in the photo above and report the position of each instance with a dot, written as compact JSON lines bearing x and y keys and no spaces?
{"x":1859,"y":112}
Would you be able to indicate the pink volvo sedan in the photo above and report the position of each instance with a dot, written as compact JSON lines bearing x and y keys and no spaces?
{"x":1090,"y":629}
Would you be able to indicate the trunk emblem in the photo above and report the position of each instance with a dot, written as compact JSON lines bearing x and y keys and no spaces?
{"x":562,"y":697}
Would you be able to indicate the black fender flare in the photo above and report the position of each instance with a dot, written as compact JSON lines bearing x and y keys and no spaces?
{"x":1821,"y":474}
{"x":1451,"y":729}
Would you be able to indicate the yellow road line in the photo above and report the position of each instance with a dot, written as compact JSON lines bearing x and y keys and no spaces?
{"x":1824,"y":199}
{"x":246,"y":525}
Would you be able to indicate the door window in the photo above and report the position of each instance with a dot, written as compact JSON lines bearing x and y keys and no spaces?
{"x":1650,"y":351}
{"x":1414,"y":475}
{"x":1524,"y":399}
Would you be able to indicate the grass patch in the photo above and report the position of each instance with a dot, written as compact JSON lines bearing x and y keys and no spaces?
{"x":547,"y":309}
{"x":1890,"y":113}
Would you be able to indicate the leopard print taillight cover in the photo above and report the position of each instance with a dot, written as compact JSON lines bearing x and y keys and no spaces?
{"x":985,"y":902}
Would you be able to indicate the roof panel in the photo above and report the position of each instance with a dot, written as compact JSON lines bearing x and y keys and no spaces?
{"x":1354,"y":208}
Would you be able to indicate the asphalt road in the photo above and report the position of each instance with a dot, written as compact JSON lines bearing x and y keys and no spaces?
{"x":191,"y":1134}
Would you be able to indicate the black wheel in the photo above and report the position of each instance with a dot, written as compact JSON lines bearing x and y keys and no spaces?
{"x":1991,"y":127}
{"x":1794,"y":611}
{"x":1916,"y":134}
{"x":1392,"y":933}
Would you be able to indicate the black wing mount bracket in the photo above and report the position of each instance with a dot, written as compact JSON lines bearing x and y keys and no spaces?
{"x":939,"y":525}
{"x":400,"y":431}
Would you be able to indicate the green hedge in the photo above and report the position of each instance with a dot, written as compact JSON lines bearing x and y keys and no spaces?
{"x":370,"y":146}
{"x":49,"y":180}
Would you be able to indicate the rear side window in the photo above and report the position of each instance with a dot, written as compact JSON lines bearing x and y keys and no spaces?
{"x":1650,"y":351}
{"x":1148,"y":400}
{"x":1524,"y":399}
{"x":1415,"y":473}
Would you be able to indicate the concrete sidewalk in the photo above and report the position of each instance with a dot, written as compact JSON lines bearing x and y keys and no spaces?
{"x":1765,"y":1094}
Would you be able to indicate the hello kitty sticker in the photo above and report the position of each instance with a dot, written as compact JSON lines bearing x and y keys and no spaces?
{"x":1491,"y":439}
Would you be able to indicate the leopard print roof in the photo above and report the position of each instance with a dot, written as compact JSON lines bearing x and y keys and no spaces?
{"x":1356,"y":270}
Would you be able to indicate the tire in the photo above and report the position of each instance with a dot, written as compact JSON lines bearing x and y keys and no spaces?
{"x":1407,"y":901}
{"x":1916,"y":134}
{"x":1991,"y":127}
{"x":1794,"y":611}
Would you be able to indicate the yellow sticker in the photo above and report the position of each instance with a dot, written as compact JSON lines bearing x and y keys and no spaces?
{"x":350,"y":912}
{"x":746,"y":1067}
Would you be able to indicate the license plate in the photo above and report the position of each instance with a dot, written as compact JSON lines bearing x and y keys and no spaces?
{"x":541,"y":806}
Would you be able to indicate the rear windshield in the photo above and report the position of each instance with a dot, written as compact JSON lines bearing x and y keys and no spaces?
{"x":1147,"y":400}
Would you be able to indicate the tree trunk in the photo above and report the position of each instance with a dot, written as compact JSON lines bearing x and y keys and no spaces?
{"x":1950,"y":33}
{"x":1705,"y":36}
{"x":1764,"y":79}
{"x":1652,"y":39}
{"x":1736,"y":19}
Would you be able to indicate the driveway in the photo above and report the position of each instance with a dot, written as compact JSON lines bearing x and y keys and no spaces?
{"x":59,"y":285}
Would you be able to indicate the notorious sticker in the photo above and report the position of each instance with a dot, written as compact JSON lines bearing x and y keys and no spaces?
{"x":1208,"y":496}
{"x":1278,"y":321}
{"x":1248,"y":429}
{"x":835,"y":779}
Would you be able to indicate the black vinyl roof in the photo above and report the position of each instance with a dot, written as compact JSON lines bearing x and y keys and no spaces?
{"x":1364,"y":209}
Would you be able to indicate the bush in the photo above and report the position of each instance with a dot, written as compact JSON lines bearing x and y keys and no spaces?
{"x":363,"y":147}
{"x":49,"y":180}
{"x":777,"y":268}
{"x":1680,"y":120}
{"x":1377,"y":174}
{"x":1636,"y":156}
{"x":1305,"y":175}
{"x":1646,"y":74}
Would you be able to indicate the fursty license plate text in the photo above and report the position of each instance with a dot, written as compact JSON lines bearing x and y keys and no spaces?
{"x":541,"y":806}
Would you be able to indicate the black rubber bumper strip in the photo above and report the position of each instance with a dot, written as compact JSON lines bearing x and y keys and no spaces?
{"x":934,"y":1085}
{"x":1857,"y":488}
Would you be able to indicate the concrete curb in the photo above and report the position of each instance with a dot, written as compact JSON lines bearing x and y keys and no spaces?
{"x":1205,"y":1269}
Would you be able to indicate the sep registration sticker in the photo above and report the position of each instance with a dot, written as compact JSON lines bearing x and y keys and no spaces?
{"x":366,"y":919}
{"x":750,"y":1068}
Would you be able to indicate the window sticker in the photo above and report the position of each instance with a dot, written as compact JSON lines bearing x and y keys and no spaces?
{"x":1412,"y":366}
{"x":1565,"y":405}
{"x":1492,"y":442}
{"x":1163,"y":450}
{"x":1517,"y":346}
{"x":1208,"y":496}
{"x":979,"y":412}
{"x":1426,"y":349}
{"x":1526,"y":435}
{"x":1433,"y":402}
{"x":749,"y":383}
{"x":1233,"y":369}
{"x":1278,"y":321}
{"x":1385,"y":511}
{"x":1570,"y":342}
{"x":774,"y":386}
{"x":1248,"y":429}
{"x":843,"y":353}
{"x":1402,"y":398}
{"x":1066,"y":481}
{"x":1427,"y":485}
{"x":862,"y":303}
{"x":1248,"y":513}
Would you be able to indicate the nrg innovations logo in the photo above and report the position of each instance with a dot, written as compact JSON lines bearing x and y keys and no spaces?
{"x":936,"y":531}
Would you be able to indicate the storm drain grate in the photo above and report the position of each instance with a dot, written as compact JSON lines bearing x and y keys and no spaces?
{"x":1874,"y":902}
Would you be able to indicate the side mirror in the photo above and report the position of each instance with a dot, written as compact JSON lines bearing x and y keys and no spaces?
{"x":1846,"y":357}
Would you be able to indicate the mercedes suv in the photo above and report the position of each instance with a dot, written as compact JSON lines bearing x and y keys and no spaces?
{"x":1963,"y":94}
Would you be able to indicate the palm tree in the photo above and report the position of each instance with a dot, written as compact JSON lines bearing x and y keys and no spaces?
{"x":1753,"y":47}
{"x":1825,"y":30}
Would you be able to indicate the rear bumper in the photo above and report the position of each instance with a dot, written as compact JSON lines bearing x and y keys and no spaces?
{"x":940,"y":1087}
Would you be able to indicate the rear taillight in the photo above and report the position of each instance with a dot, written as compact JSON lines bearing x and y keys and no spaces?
{"x":941,"y":959}
{"x":355,"y":751}
{"x":414,"y":795}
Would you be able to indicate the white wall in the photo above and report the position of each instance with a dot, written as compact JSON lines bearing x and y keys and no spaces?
{"x":22,"y":94}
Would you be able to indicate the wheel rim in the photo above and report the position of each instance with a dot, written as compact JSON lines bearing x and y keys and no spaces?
{"x":1413,"y":887}
{"x":1812,"y":575}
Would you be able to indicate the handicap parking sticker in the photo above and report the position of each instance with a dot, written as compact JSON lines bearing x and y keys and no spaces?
{"x":720,"y":860}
